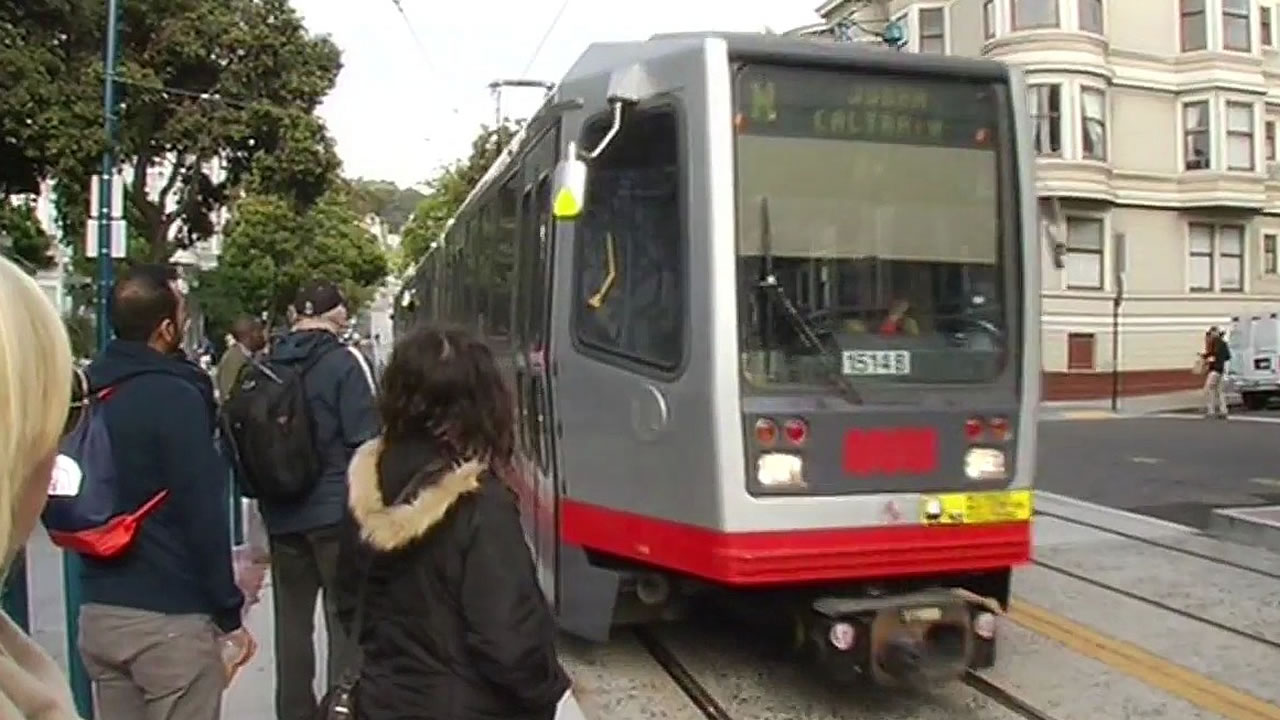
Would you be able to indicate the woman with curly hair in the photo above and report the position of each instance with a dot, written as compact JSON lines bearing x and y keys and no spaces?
{"x":440,"y":590}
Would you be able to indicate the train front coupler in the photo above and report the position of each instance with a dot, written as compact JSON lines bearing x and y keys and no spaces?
{"x":920,"y":639}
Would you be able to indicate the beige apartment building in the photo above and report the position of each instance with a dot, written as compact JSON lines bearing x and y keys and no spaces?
{"x":1155,"y":122}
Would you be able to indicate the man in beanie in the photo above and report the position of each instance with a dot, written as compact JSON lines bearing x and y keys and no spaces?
{"x":304,"y":534}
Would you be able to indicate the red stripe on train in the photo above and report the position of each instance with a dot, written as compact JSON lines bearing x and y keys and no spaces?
{"x":795,"y":556}
{"x":782,"y":557}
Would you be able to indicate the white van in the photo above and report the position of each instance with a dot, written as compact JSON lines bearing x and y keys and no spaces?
{"x":1254,"y":368}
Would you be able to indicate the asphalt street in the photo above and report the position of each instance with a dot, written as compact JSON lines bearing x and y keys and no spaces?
{"x":1175,"y":467}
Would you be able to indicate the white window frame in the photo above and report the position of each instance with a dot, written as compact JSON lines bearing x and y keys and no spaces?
{"x":1081,"y":130}
{"x":1267,"y":30}
{"x":1208,"y":100}
{"x":1080,"y":6}
{"x":943,"y":8}
{"x":1216,"y":256}
{"x":1064,"y":90}
{"x":1227,"y":133}
{"x":1270,"y":256}
{"x":990,"y":26}
{"x":1182,"y":14}
{"x":1270,"y":128}
{"x":1224,"y":14}
{"x":1014,"y":26}
{"x":1103,"y":252}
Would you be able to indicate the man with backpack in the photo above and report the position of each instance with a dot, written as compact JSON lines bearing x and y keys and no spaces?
{"x":295,"y":420}
{"x":160,"y":601}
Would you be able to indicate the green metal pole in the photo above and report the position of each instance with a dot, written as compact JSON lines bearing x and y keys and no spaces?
{"x":17,"y":603}
{"x":81,"y":688}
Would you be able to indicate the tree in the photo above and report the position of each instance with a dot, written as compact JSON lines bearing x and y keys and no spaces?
{"x":389,"y":202}
{"x":22,"y":237}
{"x":235,"y":81}
{"x":449,"y":189}
{"x":271,"y":248}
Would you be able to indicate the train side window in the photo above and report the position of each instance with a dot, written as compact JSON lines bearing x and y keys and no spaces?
{"x":630,"y":254}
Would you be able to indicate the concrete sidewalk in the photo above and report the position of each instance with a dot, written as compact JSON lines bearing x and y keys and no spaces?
{"x":1128,"y":406}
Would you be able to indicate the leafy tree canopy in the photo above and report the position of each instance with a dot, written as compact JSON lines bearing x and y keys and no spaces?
{"x":389,"y":202}
{"x":271,"y":248}
{"x":21,"y":236}
{"x":447,"y":190}
{"x":236,"y":81}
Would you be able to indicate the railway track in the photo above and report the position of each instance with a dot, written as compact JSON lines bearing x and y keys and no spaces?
{"x":711,"y":708}
{"x":1164,"y":546}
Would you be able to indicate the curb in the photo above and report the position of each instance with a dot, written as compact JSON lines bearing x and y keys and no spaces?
{"x":1247,"y":526}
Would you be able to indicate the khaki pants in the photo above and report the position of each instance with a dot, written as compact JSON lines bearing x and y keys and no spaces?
{"x":1215,"y":396}
{"x":150,"y":666}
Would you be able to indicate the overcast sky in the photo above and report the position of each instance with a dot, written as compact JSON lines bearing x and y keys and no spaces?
{"x":402,"y":108}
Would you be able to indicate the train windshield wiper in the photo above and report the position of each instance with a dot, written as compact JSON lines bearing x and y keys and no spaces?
{"x":769,"y":284}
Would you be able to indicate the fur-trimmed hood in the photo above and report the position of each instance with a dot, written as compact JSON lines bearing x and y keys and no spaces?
{"x":390,"y":527}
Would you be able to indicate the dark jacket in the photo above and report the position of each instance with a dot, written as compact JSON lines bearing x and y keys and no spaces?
{"x":342,"y":413}
{"x":455,"y":626}
{"x":160,"y":418}
{"x":1220,"y":353}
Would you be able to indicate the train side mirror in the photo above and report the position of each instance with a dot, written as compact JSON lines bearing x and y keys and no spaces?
{"x":569,"y":185}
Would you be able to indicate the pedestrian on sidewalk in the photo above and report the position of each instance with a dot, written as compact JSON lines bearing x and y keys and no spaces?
{"x":304,"y":532}
{"x":155,"y":620}
{"x":451,"y":623}
{"x":248,"y":339}
{"x":35,"y":393}
{"x":1216,"y":354}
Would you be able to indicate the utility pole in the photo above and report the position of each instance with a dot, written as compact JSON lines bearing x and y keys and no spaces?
{"x":495,"y":88}
{"x":81,"y":688}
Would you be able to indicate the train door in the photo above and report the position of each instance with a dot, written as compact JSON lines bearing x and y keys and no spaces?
{"x":534,"y":377}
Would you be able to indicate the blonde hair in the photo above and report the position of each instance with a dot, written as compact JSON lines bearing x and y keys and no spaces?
{"x":35,"y":390}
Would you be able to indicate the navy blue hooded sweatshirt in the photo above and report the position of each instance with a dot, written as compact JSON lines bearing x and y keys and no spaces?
{"x":160,"y":418}
{"x":343,"y":417}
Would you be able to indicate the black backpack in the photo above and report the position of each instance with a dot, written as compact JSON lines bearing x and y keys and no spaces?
{"x":267,"y":423}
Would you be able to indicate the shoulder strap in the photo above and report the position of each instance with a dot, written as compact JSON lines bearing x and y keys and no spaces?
{"x":364,"y":366}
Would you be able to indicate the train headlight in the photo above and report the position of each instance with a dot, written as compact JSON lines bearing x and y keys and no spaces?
{"x":983,"y":463}
{"x":780,"y":470}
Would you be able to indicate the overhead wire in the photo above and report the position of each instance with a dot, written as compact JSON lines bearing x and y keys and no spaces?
{"x":537,"y":50}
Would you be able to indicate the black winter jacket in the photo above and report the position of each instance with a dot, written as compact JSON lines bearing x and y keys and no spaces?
{"x":455,"y":626}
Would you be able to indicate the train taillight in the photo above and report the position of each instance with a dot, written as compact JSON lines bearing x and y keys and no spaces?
{"x":766,"y":432}
{"x":973,"y":429}
{"x":796,"y":431}
{"x":1000,"y":429}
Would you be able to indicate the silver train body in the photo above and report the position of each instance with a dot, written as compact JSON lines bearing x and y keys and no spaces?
{"x":770,"y":308}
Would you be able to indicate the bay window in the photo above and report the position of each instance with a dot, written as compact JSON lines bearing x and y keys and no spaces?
{"x":1091,"y":16}
{"x":1029,"y":14}
{"x":1236,"y":30}
{"x":1195,"y":135}
{"x":1093,"y":123}
{"x":1193,"y":28}
{"x":1045,"y":104}
{"x":933,"y":31}
{"x":1239,"y":136}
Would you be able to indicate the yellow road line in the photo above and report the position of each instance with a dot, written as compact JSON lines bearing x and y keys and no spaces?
{"x":1152,"y":669}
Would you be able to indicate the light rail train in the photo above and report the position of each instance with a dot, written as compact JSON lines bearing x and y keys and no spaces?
{"x":770,"y":308}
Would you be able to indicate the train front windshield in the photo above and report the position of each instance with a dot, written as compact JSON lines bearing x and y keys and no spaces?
{"x":870,"y":240}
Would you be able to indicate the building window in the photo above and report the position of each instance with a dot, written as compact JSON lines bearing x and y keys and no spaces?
{"x":1200,"y":257}
{"x":1091,"y":13}
{"x":1084,"y":253}
{"x":1195,"y":134}
{"x":1231,"y":258}
{"x":1269,"y":255}
{"x":1215,"y":245}
{"x":1193,"y":26}
{"x":1239,"y":136}
{"x":1029,"y":14}
{"x":1093,"y":123}
{"x":989,"y":19}
{"x":1045,"y":102}
{"x":933,"y":31}
{"x":1269,"y":140}
{"x":1264,"y":24}
{"x":1235,"y":25}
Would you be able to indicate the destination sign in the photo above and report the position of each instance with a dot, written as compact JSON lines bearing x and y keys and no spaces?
{"x":819,"y":103}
